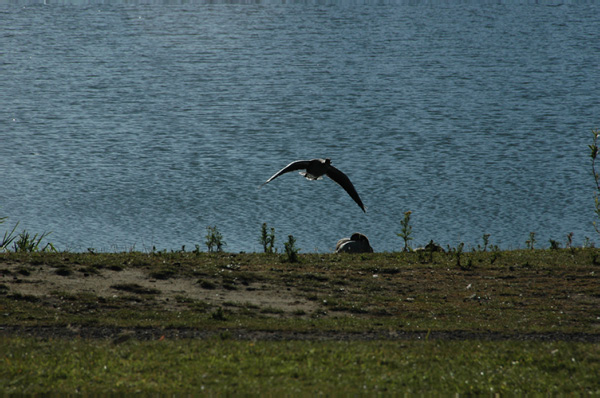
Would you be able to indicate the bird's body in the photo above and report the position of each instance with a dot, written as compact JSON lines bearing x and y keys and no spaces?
{"x":357,"y":243}
{"x":315,"y":169}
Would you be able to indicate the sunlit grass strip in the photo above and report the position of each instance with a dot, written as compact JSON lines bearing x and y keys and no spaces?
{"x":274,"y":368}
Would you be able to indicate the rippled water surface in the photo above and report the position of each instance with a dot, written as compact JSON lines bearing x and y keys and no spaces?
{"x":132,"y":126}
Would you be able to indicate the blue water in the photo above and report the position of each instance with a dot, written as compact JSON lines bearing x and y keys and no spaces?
{"x":132,"y":126}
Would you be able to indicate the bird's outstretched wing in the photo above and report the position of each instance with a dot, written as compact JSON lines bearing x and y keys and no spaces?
{"x":297,"y":165}
{"x":345,"y":183}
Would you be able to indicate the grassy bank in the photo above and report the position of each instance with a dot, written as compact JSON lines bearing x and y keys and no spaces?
{"x":472,"y":322}
{"x":517,"y":291}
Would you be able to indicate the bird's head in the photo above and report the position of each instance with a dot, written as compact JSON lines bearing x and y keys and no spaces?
{"x":327,"y":161}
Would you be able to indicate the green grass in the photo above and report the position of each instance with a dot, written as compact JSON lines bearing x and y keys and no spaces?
{"x":218,"y":366}
{"x":501,"y":322}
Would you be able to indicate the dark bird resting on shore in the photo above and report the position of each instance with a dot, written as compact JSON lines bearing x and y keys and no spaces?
{"x":315,"y":169}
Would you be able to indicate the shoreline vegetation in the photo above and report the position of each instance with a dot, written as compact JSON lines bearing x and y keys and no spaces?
{"x":470,"y":322}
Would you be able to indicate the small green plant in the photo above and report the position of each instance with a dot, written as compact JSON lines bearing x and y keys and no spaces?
{"x":290,"y":249}
{"x":196,"y":250}
{"x":214,"y":240}
{"x":406,"y":230}
{"x":267,"y":239}
{"x":569,"y":244}
{"x":23,"y":242}
{"x":486,"y":241}
{"x":554,"y":245}
{"x":27,"y":243}
{"x":8,"y":237}
{"x":593,"y":154}
{"x":458,"y":254}
{"x":531,"y":242}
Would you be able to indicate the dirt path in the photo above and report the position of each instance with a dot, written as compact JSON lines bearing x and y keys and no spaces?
{"x":45,"y":283}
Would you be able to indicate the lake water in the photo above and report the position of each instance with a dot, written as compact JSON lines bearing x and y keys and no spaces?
{"x":128,"y":126}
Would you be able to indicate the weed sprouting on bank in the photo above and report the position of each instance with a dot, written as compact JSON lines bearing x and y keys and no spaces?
{"x":290,"y":249}
{"x":569,"y":240}
{"x":593,"y":154}
{"x":486,"y":241}
{"x":267,"y":239}
{"x":406,"y":230}
{"x":28,"y":243}
{"x":214,"y":240}
{"x":24,"y":242}
{"x":531,"y":241}
{"x":458,"y":254}
{"x":8,"y":237}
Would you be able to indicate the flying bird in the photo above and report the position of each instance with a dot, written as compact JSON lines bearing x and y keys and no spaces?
{"x":315,"y":169}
